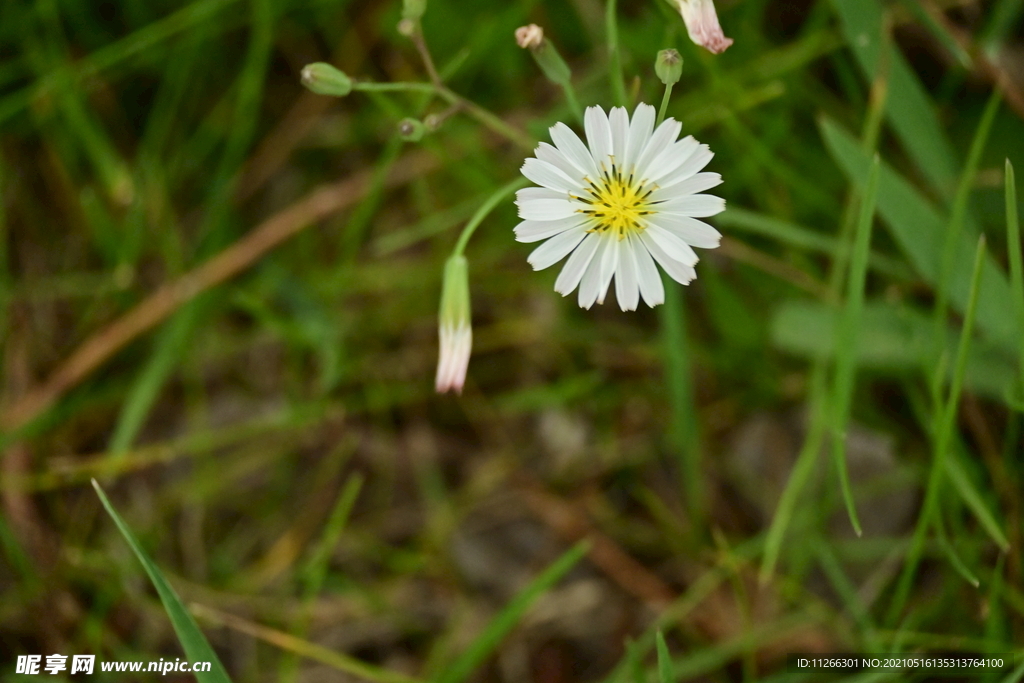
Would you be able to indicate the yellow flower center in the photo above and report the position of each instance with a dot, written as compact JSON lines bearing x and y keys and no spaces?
{"x":616,"y":204}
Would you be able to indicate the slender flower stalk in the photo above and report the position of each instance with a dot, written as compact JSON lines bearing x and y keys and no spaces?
{"x":630,"y":199}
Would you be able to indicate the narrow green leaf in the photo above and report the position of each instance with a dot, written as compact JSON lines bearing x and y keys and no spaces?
{"x":505,"y":621}
{"x":196,"y":647}
{"x":918,"y":229}
{"x":1015,"y":258}
{"x":846,"y":341}
{"x":665,"y":674}
{"x":959,"y":566}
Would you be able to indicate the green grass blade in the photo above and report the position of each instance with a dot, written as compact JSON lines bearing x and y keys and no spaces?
{"x":505,"y":621}
{"x":611,"y":24}
{"x":908,"y":108}
{"x":959,"y":566}
{"x":972,"y":497}
{"x":846,"y":340}
{"x":917,"y":227}
{"x":684,"y":430}
{"x":951,"y":236}
{"x":665,"y":673}
{"x":799,"y":476}
{"x":1015,"y":258}
{"x":196,"y":647}
{"x":942,"y":440}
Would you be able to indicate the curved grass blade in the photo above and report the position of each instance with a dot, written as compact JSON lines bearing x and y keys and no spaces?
{"x":505,"y":621}
{"x":196,"y":647}
{"x":846,"y":339}
{"x":665,"y":673}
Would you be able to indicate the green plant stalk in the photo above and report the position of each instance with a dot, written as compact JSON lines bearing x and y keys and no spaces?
{"x":959,"y":566}
{"x":957,"y":216}
{"x":941,"y":440}
{"x":663,"y":109}
{"x":485,"y":209}
{"x":507,"y":618}
{"x":196,"y":647}
{"x":846,"y":341}
{"x":614,"y":54}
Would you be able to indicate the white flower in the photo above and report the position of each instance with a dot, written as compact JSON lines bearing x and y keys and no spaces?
{"x":702,"y":24}
{"x":632,"y":195}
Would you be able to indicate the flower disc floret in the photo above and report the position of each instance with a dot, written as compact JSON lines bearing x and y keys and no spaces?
{"x":628,"y":198}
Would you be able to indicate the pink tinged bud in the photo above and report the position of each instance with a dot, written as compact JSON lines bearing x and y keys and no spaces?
{"x":456,"y":345}
{"x":702,"y":24}
{"x":529,"y":36}
{"x":455,"y":328}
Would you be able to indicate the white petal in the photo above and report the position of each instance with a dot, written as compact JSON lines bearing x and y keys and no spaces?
{"x":534,"y":231}
{"x":618,"y":121}
{"x":546,"y":152}
{"x":680,"y":272}
{"x":671,"y":158}
{"x":546,"y":209}
{"x":672,"y":245}
{"x":692,"y":185}
{"x":592,"y":276}
{"x":640,"y":129}
{"x":692,"y":231}
{"x":609,"y":264}
{"x":574,"y":150}
{"x":651,"y":287}
{"x":698,"y":160}
{"x":662,"y":138}
{"x":555,"y":249}
{"x":574,"y":268}
{"x":599,"y":136}
{"x":627,"y":292}
{"x":696,"y":205}
{"x":530,"y":193}
{"x":548,"y":175}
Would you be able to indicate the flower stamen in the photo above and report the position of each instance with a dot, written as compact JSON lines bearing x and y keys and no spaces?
{"x":616,"y":203}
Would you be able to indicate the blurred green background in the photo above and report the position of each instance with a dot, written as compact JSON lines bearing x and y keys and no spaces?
{"x":262,"y":413}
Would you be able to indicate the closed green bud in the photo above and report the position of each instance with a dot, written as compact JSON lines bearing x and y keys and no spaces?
{"x":455,"y":328}
{"x":413,"y":9}
{"x":324,"y":79}
{"x":669,"y":67}
{"x":411,"y":130}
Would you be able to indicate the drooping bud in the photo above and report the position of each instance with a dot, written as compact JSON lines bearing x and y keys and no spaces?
{"x":324,"y":79}
{"x":454,"y":326}
{"x":702,"y":24}
{"x":529,"y":37}
{"x":669,"y":67}
{"x":544,"y":53}
{"x":411,"y":130}
{"x":413,"y":9}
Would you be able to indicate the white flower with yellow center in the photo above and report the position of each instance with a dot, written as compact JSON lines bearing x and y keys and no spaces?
{"x":629,"y":199}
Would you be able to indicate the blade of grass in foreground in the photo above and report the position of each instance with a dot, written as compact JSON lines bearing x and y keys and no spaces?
{"x":942,"y":440}
{"x":196,"y":647}
{"x":1016,"y":267}
{"x":505,"y":621}
{"x":665,"y":674}
{"x":846,"y":341}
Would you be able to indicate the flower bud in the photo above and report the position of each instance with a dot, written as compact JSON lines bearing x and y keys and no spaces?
{"x":454,"y":326}
{"x":544,"y":53}
{"x":413,"y":9}
{"x":411,"y":130}
{"x":669,"y":67}
{"x":324,"y":79}
{"x":529,"y":36}
{"x":702,"y":24}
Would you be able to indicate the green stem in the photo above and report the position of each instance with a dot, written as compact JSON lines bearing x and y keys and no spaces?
{"x":573,"y":101}
{"x":614,"y":57}
{"x":484,"y":210}
{"x":664,"y":103}
{"x":366,"y":86}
